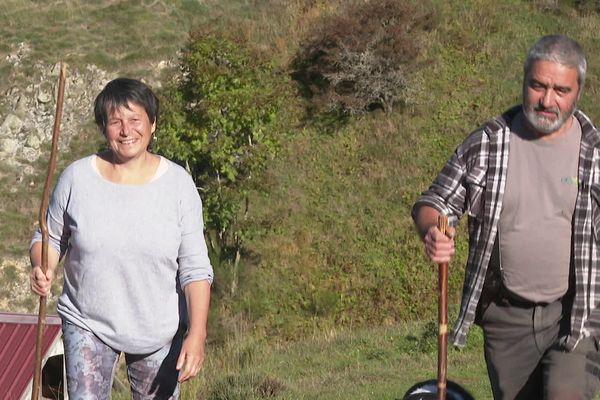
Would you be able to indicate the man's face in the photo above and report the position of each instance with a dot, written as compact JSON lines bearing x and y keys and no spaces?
{"x":550,"y":94}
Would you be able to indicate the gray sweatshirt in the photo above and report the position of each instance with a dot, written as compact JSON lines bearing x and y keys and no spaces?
{"x":127,"y":250}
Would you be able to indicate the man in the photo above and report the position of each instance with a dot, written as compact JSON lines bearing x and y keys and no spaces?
{"x":529,"y":181}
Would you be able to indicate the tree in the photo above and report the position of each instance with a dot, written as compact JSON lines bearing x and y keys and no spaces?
{"x":220,"y":121}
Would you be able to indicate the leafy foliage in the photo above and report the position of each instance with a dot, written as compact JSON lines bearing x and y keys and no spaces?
{"x":221,"y":121}
{"x":362,"y":58}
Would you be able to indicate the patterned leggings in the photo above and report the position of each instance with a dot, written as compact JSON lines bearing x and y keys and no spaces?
{"x":91,"y":367}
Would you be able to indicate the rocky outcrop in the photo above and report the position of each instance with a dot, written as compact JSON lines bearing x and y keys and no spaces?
{"x":29,"y":122}
{"x":29,"y":114}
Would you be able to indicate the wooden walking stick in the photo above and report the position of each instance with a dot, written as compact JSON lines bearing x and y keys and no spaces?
{"x":442,"y":318}
{"x":35,"y":393}
{"x":442,"y":388}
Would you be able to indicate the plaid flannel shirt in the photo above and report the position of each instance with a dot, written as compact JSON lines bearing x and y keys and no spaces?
{"x":473,"y":182}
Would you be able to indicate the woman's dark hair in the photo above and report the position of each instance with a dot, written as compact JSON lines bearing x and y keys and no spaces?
{"x":118,"y":93}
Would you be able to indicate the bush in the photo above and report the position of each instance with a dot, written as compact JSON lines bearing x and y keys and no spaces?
{"x":363,"y":58}
{"x":587,"y":6}
{"x":220,"y":120}
{"x":246,"y":386}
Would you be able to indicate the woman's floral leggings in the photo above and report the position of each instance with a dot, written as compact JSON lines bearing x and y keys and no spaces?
{"x":91,"y":365}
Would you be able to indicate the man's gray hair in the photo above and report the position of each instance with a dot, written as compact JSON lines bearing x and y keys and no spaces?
{"x":560,"y":49}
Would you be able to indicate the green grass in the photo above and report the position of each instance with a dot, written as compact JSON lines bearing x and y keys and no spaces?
{"x":377,"y":363}
{"x":77,"y":31}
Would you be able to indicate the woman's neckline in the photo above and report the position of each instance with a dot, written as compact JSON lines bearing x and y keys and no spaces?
{"x":158,"y":170}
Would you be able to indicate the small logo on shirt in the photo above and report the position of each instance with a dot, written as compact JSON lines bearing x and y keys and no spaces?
{"x":569,"y":180}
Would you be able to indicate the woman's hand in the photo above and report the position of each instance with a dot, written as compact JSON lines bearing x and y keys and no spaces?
{"x":41,"y":283}
{"x":197,"y":296}
{"x":191,"y":357}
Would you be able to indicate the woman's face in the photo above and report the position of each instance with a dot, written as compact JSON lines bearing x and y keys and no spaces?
{"x":129,"y":132}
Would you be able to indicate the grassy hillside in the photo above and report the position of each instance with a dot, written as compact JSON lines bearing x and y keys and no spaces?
{"x":331,"y":245}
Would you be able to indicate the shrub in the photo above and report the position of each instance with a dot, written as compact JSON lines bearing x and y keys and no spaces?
{"x":587,"y":6}
{"x":246,"y":386}
{"x":362,"y":58}
{"x":220,"y":120}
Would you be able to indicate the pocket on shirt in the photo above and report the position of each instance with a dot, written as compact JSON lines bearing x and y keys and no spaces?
{"x":475,"y":182}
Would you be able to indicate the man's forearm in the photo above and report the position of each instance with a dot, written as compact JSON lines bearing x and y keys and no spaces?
{"x":425,"y":218}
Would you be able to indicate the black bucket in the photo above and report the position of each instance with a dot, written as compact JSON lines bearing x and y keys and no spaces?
{"x":427,"y":390}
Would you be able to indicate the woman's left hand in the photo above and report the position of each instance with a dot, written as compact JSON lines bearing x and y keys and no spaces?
{"x":191,"y":357}
{"x":197,"y":296}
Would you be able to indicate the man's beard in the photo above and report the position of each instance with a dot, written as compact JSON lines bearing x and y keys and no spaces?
{"x":543,"y":124}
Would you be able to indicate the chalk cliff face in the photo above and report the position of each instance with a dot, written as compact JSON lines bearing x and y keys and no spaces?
{"x":29,"y":111}
{"x":28,"y":124}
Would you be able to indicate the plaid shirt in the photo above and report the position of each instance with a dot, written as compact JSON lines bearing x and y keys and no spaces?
{"x":473,"y":182}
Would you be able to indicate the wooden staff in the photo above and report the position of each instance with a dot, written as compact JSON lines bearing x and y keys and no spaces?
{"x":442,"y":318}
{"x":35,"y":393}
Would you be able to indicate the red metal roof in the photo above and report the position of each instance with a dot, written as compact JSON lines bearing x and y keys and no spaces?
{"x":17,"y":350}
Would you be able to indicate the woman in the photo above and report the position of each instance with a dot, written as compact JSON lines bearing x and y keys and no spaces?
{"x":129,"y":225}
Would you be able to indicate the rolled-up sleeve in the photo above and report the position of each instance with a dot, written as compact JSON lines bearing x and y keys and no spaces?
{"x":194,"y":264}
